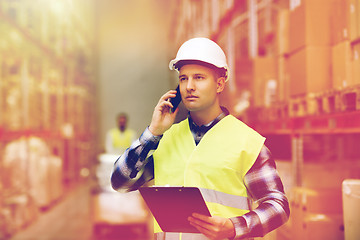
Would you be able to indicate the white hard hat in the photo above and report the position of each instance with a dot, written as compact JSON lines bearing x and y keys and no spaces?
{"x":204,"y":50}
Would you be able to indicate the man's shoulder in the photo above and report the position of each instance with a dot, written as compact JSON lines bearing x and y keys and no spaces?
{"x":178,"y":127}
{"x":112,"y":130}
{"x":234,"y":124}
{"x":181,"y":123}
{"x":234,"y":121}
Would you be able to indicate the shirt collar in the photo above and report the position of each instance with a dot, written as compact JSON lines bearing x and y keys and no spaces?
{"x":204,"y":128}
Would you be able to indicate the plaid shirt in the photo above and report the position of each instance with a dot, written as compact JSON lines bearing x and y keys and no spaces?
{"x":262,"y":182}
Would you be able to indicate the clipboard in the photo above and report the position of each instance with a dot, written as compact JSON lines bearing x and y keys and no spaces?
{"x":171,"y":206}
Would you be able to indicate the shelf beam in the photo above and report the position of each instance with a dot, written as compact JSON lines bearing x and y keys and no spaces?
{"x":344,"y":122}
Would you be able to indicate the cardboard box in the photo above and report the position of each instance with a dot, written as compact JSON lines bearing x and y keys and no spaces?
{"x":316,"y":213}
{"x":357,"y":13}
{"x":309,"y":70}
{"x":243,"y":73}
{"x":309,"y":24}
{"x":310,"y":200}
{"x":351,"y":205}
{"x":320,"y":226}
{"x":325,"y":175}
{"x":283,"y":78}
{"x":340,"y":21}
{"x":265,"y":73}
{"x":356,"y":63}
{"x":342,"y":65}
{"x":282,"y":32}
{"x":354,"y":18}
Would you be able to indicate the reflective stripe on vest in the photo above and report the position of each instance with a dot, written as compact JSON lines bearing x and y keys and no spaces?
{"x":177,"y":236}
{"x":225,"y":199}
{"x":182,"y":236}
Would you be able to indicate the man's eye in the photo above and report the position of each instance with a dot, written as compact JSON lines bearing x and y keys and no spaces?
{"x":199,"y":77}
{"x":182,"y":79}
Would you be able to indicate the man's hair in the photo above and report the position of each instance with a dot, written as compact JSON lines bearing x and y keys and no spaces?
{"x":220,"y":71}
{"x":122,"y":114}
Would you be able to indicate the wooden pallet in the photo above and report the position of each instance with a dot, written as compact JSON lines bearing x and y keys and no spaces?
{"x":351,"y":99}
{"x":327,"y":102}
{"x":301,"y":106}
{"x":331,"y":101}
{"x":343,"y":100}
{"x":275,"y":112}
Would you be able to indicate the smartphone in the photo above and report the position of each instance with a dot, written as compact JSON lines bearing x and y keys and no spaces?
{"x":176,"y":100}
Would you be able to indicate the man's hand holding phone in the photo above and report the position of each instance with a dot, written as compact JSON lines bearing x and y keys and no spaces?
{"x":163,"y":116}
{"x":176,"y":100}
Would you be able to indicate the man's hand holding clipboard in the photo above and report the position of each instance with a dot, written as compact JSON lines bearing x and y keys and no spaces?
{"x":172,"y":206}
{"x":183,"y":209}
{"x":212,"y":227}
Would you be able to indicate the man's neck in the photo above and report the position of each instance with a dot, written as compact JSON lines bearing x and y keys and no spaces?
{"x":202,"y":118}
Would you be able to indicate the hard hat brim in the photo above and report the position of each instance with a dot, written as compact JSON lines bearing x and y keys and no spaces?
{"x":172,"y":66}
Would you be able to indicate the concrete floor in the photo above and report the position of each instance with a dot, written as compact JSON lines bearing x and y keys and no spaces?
{"x":72,"y":219}
{"x":68,"y":219}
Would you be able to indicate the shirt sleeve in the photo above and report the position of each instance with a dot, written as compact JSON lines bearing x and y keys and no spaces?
{"x":266,"y":189}
{"x":135,"y":167}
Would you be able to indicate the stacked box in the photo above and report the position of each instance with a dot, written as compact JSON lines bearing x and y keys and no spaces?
{"x":282,"y":51}
{"x":326,"y":175}
{"x":12,"y":95}
{"x":340,"y":21}
{"x":354,"y":12}
{"x":309,"y":47}
{"x":282,"y":32}
{"x":345,"y":23}
{"x":267,"y":19}
{"x":351,"y":206}
{"x":316,"y":213}
{"x":309,"y":70}
{"x":321,"y":226}
{"x":355,"y":62}
{"x":55,"y":176}
{"x":342,"y":65}
{"x":309,"y":24}
{"x":264,"y":81}
{"x":283,"y":78}
{"x":243,"y":73}
{"x":35,"y":92}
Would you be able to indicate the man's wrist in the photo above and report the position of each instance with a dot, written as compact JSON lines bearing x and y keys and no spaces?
{"x":154,"y":132}
{"x":149,"y":136}
{"x":240,"y":227}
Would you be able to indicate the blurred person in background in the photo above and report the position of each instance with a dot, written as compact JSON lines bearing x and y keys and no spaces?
{"x":118,"y":139}
{"x":211,"y":150}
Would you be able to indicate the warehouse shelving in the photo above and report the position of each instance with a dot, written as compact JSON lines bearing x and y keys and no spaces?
{"x":47,"y":104}
{"x":278,"y":120}
{"x":310,"y":126}
{"x":323,"y":124}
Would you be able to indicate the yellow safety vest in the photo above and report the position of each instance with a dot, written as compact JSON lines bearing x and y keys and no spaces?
{"x":217,"y":165}
{"x":121,"y":140}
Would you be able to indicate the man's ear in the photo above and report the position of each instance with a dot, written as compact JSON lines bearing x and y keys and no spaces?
{"x":220,"y":84}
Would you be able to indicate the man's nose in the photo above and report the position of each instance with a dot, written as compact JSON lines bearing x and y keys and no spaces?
{"x":190,"y":84}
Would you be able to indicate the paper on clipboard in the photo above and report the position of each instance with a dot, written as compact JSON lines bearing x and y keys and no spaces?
{"x":171,"y":206}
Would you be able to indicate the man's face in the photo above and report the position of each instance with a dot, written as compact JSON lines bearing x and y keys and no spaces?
{"x":198,"y":87}
{"x":122,"y":123}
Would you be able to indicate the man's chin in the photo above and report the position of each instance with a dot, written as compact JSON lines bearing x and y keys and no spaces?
{"x":193,"y":108}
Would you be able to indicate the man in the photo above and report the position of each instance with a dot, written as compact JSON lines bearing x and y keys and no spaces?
{"x":211,"y":150}
{"x":120,"y":138}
